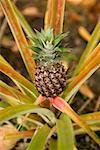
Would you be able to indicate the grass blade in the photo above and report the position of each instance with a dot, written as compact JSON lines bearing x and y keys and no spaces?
{"x":38,"y":141}
{"x":65,"y":133}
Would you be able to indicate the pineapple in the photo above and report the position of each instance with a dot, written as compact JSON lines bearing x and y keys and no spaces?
{"x":50,"y":75}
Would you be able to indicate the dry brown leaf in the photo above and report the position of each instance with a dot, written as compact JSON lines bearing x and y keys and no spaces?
{"x":9,"y":44}
{"x":85,"y":90}
{"x":7,"y":144}
{"x":74,"y":17}
{"x":31,"y":11}
{"x":75,"y":2}
{"x":85,"y":3}
{"x":84,"y":33}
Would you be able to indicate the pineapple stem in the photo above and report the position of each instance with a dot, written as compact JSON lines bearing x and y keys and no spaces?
{"x":39,"y":100}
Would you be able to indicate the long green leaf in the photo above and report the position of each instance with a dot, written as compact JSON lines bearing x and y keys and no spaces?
{"x":9,"y":71}
{"x":81,"y":131}
{"x":38,"y":141}
{"x":95,"y":37}
{"x":58,"y":27}
{"x":70,"y":92}
{"x":54,"y":15}
{"x":10,"y":100}
{"x":13,"y":111}
{"x":92,"y":118}
{"x":15,"y":93}
{"x":23,"y":87}
{"x":3,"y":104}
{"x":74,"y":90}
{"x":91,"y":65}
{"x":6,"y":63}
{"x":65,"y":133}
{"x":23,"y":21}
{"x":19,"y":36}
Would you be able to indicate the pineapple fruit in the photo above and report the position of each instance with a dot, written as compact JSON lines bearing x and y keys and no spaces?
{"x":50,"y":74}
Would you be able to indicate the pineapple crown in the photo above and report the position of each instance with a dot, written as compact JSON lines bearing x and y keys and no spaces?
{"x":48,"y":47}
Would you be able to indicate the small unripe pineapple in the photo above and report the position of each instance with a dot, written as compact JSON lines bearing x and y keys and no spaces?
{"x":50,"y":75}
{"x":50,"y":80}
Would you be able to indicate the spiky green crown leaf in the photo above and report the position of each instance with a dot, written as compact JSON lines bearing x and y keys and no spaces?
{"x":48,"y":48}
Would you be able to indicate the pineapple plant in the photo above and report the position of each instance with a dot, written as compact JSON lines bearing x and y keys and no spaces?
{"x":50,"y":73}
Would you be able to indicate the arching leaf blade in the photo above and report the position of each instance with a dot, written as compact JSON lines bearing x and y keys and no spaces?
{"x":65,"y":133}
{"x":38,"y":141}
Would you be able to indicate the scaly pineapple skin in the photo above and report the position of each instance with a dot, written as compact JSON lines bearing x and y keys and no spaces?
{"x":50,"y":80}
